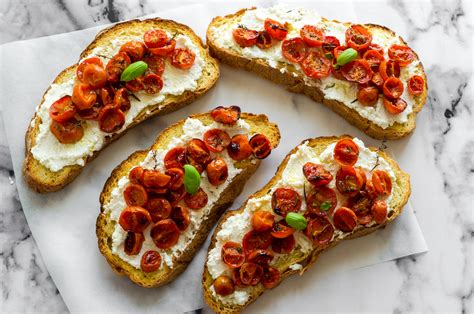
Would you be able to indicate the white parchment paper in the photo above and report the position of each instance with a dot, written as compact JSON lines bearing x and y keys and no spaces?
{"x":63,"y":223}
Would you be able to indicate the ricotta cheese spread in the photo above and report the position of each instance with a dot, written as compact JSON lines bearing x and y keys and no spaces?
{"x":342,"y":91}
{"x":55,"y":156}
{"x":236,"y":226}
{"x":192,"y":128}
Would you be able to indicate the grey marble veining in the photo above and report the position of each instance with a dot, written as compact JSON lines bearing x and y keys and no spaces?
{"x":439,"y":281}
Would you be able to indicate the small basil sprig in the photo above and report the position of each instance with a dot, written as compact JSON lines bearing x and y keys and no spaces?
{"x":192,"y":179}
{"x":346,"y":56}
{"x":133,"y":71}
{"x":325,"y":206}
{"x":296,"y":221}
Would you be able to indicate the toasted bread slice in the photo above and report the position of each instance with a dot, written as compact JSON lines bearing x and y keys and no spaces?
{"x":296,"y":81}
{"x":105,"y":225}
{"x":41,"y":178}
{"x":400,"y":194}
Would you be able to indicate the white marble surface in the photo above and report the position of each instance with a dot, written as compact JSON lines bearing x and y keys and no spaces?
{"x":439,"y":281}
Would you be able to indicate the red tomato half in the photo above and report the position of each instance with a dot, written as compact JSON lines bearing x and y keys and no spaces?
{"x":294,"y":50}
{"x":62,"y":109}
{"x":312,"y":35}
{"x":416,"y":85}
{"x":358,"y":37}
{"x":275,"y":29}
{"x":346,"y":152}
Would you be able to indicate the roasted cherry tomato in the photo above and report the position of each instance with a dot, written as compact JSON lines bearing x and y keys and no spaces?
{"x":262,"y":220}
{"x":251,"y":274}
{"x":83,"y":64}
{"x":368,"y":96}
{"x":271,"y":277}
{"x":260,"y":257}
{"x":261,"y":146}
{"x":122,"y":99}
{"x":330,"y":42}
{"x":361,"y":204}
{"x":68,"y":132}
{"x":349,"y":181}
{"x":315,"y":65}
{"x":358,"y":37}
{"x":346,"y":152}
{"x":136,"y":175}
{"x":183,"y":58}
{"x":401,"y":54}
{"x":377,"y":80}
{"x":91,"y":113}
{"x":159,"y":208}
{"x":156,"y":64}
{"x":106,"y":95}
{"x":281,"y":229}
{"x":382,"y":182}
{"x":134,"y":49}
{"x":155,"y":179}
{"x":226,"y":115}
{"x":394,"y":106}
{"x":134,"y":219}
{"x":133,"y":243}
{"x":321,"y":201}
{"x":94,"y":75}
{"x":245,"y":37}
{"x":319,"y":230}
{"x":285,"y":200}
{"x":175,"y":158}
{"x":275,"y":29}
{"x":116,"y":65}
{"x":264,"y":40}
{"x":165,"y":234}
{"x":294,"y":50}
{"x":83,"y":96}
{"x":376,"y":47}
{"x":196,"y":201}
{"x":416,"y":85}
{"x":254,"y":240}
{"x":62,"y":109}
{"x":232,"y":254}
{"x":239,"y":147}
{"x":370,"y":189}
{"x":176,"y":178}
{"x":166,"y":50}
{"x":135,"y":195}
{"x":155,"y":38}
{"x":152,"y":83}
{"x":180,"y":216}
{"x":151,"y":261}
{"x":284,"y":245}
{"x":223,"y":285}
{"x":312,"y":35}
{"x":374,"y":58}
{"x":316,"y":174}
{"x":216,"y":140}
{"x":217,"y":171}
{"x":388,"y":69}
{"x":135,"y":85}
{"x":174,"y":197}
{"x":197,"y":154}
{"x":111,"y":119}
{"x":357,"y":71}
{"x":379,"y":211}
{"x":345,"y":219}
{"x":393,"y":88}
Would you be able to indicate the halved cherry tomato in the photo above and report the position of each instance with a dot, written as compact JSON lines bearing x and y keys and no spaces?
{"x":251,"y":274}
{"x":283,"y":246}
{"x":226,"y":115}
{"x":83,"y":96}
{"x":106,"y":95}
{"x":319,"y":230}
{"x":416,"y":85}
{"x":216,"y":140}
{"x":122,"y":99}
{"x":176,"y":178}
{"x":382,"y":182}
{"x":262,"y":220}
{"x":312,"y":35}
{"x":368,"y":96}
{"x":62,"y":109}
{"x":165,"y":234}
{"x":155,"y":38}
{"x":370,"y":189}
{"x":378,"y":80}
{"x":239,"y":147}
{"x":135,"y":219}
{"x":83,"y":64}
{"x":155,"y":63}
{"x":236,"y":277}
{"x":379,"y":211}
{"x":349,"y":181}
{"x":254,"y":240}
{"x":136,"y":175}
{"x":134,"y":49}
{"x":116,"y":65}
{"x":321,"y":201}
{"x":315,"y":65}
{"x":358,"y":37}
{"x":197,"y":154}
{"x":346,"y":152}
{"x":245,"y":37}
{"x":281,"y":229}
{"x":196,"y":201}
{"x":316,"y":174}
{"x":264,"y":40}
{"x":180,"y":216}
{"x":261,"y":146}
{"x":135,"y":195}
{"x":330,"y":42}
{"x":357,"y":71}
{"x":393,"y":88}
{"x":152,"y":83}
{"x":374,"y":58}
{"x":275,"y":29}
{"x":294,"y":50}
{"x":135,"y":85}
{"x":394,"y":106}
{"x":217,"y":171}
{"x":260,"y":257}
{"x":271,"y":277}
{"x":159,"y":208}
{"x":183,"y":58}
{"x":345,"y":219}
{"x":94,"y":75}
{"x":175,"y":158}
{"x":401,"y":54}
{"x":232,"y":254}
{"x":361,"y":204}
{"x":174,"y":197}
{"x":151,"y":261}
{"x":376,"y":47}
{"x":133,"y":243}
{"x":285,"y":200}
{"x":91,"y":113}
{"x":111,"y":119}
{"x":223,"y":285}
{"x":165,"y":50}
{"x":68,"y":132}
{"x":388,"y":69}
{"x":155,"y":179}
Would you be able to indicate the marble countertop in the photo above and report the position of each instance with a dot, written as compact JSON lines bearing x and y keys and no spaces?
{"x":441,"y":280}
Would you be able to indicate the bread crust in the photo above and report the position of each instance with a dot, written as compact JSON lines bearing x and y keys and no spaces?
{"x":43,"y":180}
{"x":400,"y":194}
{"x":294,"y":81}
{"x":105,"y":227}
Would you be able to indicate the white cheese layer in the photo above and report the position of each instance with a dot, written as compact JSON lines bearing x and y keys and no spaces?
{"x":55,"y":156}
{"x":192,"y":128}
{"x":236,"y":226}
{"x":343,"y":91}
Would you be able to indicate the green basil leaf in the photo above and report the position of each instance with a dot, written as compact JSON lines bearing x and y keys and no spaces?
{"x":346,"y":56}
{"x":296,"y":221}
{"x":325,"y":206}
{"x":133,"y":71}
{"x":192,"y":179}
